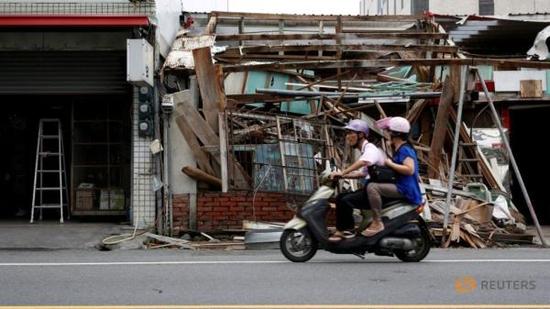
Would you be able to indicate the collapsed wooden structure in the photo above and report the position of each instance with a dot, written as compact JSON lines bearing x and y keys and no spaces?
{"x":276,"y":89}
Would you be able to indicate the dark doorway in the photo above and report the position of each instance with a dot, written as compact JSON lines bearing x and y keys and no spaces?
{"x":89,"y":124}
{"x":19,"y":119}
{"x":527,"y":124}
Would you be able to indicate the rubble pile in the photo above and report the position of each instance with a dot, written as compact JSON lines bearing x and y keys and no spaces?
{"x":276,"y":89}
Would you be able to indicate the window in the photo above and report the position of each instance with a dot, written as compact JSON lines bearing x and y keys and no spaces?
{"x":486,"y":7}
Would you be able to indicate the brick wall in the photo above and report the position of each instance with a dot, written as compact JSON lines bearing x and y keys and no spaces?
{"x":218,"y":211}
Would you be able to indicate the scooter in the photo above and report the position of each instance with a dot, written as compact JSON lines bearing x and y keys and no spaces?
{"x":405,"y":236}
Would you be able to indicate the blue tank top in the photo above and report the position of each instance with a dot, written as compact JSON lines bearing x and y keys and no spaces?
{"x":408,"y":185}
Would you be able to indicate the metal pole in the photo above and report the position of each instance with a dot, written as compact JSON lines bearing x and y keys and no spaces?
{"x":166,"y":180}
{"x":450,"y":181}
{"x":512,"y":160}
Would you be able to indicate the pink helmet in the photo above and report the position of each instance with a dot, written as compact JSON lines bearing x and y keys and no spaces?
{"x":395,"y":124}
{"x":358,"y":125}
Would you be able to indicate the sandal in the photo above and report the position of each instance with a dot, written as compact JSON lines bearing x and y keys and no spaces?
{"x":338,"y":236}
{"x":369,"y":232}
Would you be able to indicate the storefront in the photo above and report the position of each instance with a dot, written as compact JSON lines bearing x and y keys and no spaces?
{"x":72,"y":69}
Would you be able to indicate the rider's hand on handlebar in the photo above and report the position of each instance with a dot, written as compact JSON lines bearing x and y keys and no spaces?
{"x":336,"y":175}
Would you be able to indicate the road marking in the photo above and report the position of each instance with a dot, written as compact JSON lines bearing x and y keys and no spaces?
{"x":335,"y":306}
{"x":159,"y":263}
{"x":491,"y":261}
{"x":141,"y":263}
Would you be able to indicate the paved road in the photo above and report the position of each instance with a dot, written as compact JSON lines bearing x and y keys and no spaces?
{"x":162,"y":277}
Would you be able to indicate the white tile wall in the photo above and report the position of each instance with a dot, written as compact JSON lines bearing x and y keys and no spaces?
{"x":143,"y":196}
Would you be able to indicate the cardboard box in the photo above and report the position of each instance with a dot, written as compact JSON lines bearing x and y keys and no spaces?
{"x":85,"y":199}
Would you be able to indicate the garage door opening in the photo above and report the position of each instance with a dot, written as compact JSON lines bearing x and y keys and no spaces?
{"x":97,"y":149}
{"x":526,"y":123}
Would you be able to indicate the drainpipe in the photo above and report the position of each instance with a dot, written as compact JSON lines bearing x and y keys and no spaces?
{"x":167,"y":194}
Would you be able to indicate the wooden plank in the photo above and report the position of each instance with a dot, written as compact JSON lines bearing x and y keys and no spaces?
{"x":486,"y":170}
{"x":338,"y":30}
{"x":531,"y":88}
{"x":319,"y":36}
{"x":200,"y":175}
{"x":220,"y":88}
{"x":445,"y":49}
{"x":185,"y":129}
{"x":198,"y":125}
{"x":223,"y":152}
{"x":200,"y":156}
{"x":211,"y":26}
{"x":231,"y":57}
{"x":309,"y":17}
{"x":209,"y":89}
{"x":377,"y":63}
{"x":440,"y":128}
{"x":416,"y":110}
{"x":209,"y":138}
{"x":380,"y":109}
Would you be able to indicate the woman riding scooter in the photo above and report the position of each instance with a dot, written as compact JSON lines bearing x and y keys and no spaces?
{"x":405,"y":164}
{"x":357,"y":132}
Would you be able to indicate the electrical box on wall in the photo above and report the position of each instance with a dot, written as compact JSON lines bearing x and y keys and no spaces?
{"x":140,"y":64}
{"x":146,"y":112}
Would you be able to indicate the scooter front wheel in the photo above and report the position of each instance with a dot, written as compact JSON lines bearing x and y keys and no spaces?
{"x":298,"y":245}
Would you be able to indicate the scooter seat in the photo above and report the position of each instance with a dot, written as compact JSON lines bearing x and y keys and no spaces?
{"x":388,"y":202}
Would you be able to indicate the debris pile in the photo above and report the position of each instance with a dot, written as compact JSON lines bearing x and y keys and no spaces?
{"x":276,"y":89}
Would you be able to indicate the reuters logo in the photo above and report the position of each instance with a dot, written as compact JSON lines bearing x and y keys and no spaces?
{"x":465,"y":285}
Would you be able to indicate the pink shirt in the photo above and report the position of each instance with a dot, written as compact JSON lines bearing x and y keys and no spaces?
{"x":373,"y":155}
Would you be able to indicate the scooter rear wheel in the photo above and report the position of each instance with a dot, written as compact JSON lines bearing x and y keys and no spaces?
{"x":421,"y":250}
{"x":298,"y":245}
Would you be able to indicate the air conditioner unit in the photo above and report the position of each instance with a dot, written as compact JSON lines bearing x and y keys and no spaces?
{"x":140,"y":63}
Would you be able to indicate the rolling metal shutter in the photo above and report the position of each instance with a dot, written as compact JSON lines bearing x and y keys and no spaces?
{"x":74,"y":72}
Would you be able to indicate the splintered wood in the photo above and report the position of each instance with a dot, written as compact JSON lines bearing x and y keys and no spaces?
{"x":275,"y":94}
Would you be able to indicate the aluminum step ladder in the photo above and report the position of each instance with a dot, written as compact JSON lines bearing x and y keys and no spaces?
{"x":50,"y":177}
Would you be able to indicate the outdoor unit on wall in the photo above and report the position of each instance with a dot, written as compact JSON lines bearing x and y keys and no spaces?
{"x":140,"y":67}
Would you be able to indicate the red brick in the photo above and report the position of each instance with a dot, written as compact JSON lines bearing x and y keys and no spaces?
{"x":238,"y":198}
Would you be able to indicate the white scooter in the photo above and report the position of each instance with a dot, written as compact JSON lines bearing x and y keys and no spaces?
{"x":405,"y":236}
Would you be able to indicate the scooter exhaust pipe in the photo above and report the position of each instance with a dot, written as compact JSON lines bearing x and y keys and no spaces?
{"x":397,"y":243}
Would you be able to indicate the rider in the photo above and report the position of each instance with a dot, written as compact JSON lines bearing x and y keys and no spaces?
{"x":404,"y":163}
{"x":357,"y":132}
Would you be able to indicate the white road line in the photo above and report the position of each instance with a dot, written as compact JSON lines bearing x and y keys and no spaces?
{"x":257,"y":262}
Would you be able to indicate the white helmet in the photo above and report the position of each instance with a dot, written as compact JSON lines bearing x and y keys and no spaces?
{"x":395,"y":124}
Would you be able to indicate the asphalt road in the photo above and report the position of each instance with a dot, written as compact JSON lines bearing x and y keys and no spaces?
{"x":177,"y":277}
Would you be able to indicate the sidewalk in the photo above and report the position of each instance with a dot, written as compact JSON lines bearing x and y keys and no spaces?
{"x":51,"y":235}
{"x":47,"y":235}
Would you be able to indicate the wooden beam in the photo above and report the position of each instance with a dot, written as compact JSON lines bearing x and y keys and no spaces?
{"x":200,"y":175}
{"x":198,"y":125}
{"x":416,"y":110}
{"x":211,"y":26}
{"x":209,"y":138}
{"x":440,"y":128}
{"x":230,"y":57}
{"x":339,"y":36}
{"x":377,"y":63}
{"x":308,"y":17}
{"x":211,"y":93}
{"x":200,"y":156}
{"x":223,"y":152}
{"x":345,"y":47}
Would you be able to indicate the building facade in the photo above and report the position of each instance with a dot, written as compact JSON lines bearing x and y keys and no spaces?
{"x":68,"y":61}
{"x":465,"y":7}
